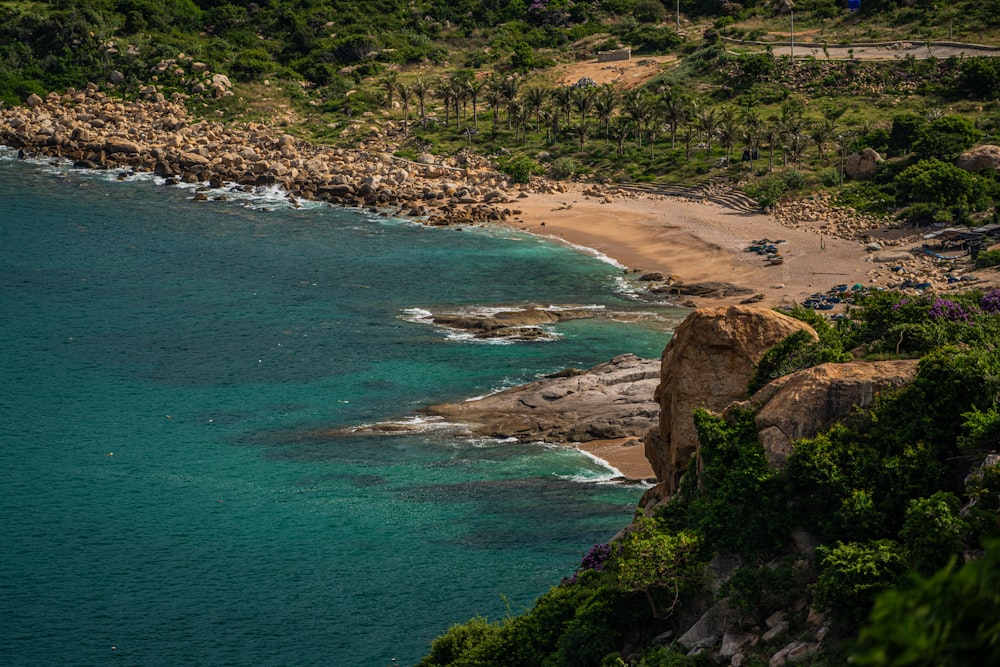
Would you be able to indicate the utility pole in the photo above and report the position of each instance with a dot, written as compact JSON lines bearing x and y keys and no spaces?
{"x":791,"y":11}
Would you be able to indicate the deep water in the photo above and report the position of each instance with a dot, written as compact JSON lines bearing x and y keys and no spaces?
{"x":171,"y":493}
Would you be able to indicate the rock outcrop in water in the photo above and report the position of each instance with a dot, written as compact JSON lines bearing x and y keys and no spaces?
{"x":513,"y":324}
{"x":610,"y":400}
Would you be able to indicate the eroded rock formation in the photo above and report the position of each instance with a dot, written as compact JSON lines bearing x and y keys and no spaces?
{"x":802,"y":404}
{"x":707,"y":364}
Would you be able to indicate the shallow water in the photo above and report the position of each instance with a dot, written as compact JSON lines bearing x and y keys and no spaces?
{"x":171,"y":492}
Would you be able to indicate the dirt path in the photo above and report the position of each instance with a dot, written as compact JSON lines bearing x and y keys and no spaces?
{"x":624,"y":74}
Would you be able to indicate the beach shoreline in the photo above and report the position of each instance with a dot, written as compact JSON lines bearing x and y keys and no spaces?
{"x":690,"y":242}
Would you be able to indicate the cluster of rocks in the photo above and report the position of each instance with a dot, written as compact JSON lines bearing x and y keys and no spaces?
{"x":917,"y":272}
{"x":735,"y":638}
{"x":190,"y":73}
{"x":157,"y":135}
{"x":818,"y":212}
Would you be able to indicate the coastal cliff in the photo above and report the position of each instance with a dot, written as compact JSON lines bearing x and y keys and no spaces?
{"x":781,"y":514}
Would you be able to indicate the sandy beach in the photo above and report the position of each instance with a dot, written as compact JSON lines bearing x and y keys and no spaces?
{"x":626,"y":455}
{"x":696,"y":242}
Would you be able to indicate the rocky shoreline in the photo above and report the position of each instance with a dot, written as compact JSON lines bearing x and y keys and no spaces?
{"x":157,"y":135}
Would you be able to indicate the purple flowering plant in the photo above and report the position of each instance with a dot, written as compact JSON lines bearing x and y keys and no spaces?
{"x":990,"y":303}
{"x":949,"y":310}
{"x":595,"y":560}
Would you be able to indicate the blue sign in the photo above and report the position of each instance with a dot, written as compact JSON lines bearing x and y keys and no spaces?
{"x":854,"y":5}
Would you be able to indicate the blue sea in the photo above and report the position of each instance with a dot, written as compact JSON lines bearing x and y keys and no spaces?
{"x":172,"y":376}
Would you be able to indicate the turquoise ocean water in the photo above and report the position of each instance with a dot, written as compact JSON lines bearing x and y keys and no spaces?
{"x":169,"y":368}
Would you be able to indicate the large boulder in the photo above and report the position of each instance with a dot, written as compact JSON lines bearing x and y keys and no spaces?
{"x":802,"y":404}
{"x":863,"y":164}
{"x":610,"y":400}
{"x":979,"y":158}
{"x":707,"y":364}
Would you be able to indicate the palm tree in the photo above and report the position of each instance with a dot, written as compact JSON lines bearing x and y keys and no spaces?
{"x":458,"y":98}
{"x":771,"y":133}
{"x":420,"y":89}
{"x":728,"y":130}
{"x":472,"y":88}
{"x":494,"y":98}
{"x":675,"y":112}
{"x":707,"y":122}
{"x":509,"y":86}
{"x":404,"y":97}
{"x":444,"y":92}
{"x":519,"y":116}
{"x":620,"y":130}
{"x":605,"y":105}
{"x":563,"y":99}
{"x":638,"y":106}
{"x":534,"y":99}
{"x":796,"y":145}
{"x":687,"y":136}
{"x":551,"y":119}
{"x":752,"y":132}
{"x":391,"y":84}
{"x":583,"y":100}
{"x":821,"y":133}
{"x":582,"y":130}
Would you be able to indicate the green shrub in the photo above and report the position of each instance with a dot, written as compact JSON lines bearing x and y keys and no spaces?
{"x":563,"y":168}
{"x":767,"y":191}
{"x":932,"y":532}
{"x":663,"y":565}
{"x":988,"y":259}
{"x":946,"y":620}
{"x":521,"y":168}
{"x":798,"y":351}
{"x":851,"y":574}
{"x":945,"y":137}
{"x":460,"y":639}
{"x":941,"y":183}
{"x":733,"y":497}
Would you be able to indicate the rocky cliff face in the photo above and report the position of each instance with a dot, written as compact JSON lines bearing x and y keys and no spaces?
{"x":707,"y":364}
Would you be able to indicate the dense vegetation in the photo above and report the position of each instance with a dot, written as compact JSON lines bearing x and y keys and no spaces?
{"x":435,"y":77}
{"x":893,"y":501}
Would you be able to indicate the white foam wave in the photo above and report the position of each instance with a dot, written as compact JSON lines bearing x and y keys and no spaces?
{"x":419,"y":315}
{"x":607,"y":475}
{"x":596,"y":254}
{"x":411,"y":424}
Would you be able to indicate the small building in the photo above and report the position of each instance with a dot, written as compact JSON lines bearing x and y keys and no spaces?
{"x":611,"y":56}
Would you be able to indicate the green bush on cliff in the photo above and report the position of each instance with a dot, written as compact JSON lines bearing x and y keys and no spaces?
{"x":799,"y":350}
{"x":731,"y":496}
{"x":851,"y":574}
{"x":933,"y":532}
{"x":949,"y":619}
